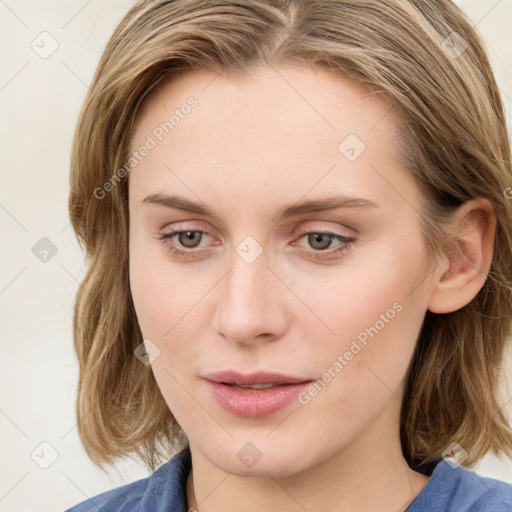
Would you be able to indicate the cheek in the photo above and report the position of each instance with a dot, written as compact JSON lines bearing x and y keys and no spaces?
{"x":162,"y":291}
{"x":146,"y":289}
{"x":367,"y":289}
{"x":166,"y":305}
{"x":168,"y":308}
{"x":371,"y":318}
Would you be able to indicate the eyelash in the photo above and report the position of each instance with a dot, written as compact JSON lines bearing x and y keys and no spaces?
{"x":346,"y":244}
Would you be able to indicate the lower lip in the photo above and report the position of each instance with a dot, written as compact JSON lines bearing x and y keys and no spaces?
{"x":255,"y":403}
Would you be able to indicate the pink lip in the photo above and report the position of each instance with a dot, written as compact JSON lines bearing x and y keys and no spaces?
{"x":254,"y":403}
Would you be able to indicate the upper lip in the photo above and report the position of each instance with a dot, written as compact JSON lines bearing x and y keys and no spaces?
{"x":233,"y":377}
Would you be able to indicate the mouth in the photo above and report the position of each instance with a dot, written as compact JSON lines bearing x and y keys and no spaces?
{"x":259,"y":396}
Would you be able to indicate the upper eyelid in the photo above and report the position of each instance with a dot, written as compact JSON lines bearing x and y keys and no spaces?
{"x":299,"y":232}
{"x":181,"y":226}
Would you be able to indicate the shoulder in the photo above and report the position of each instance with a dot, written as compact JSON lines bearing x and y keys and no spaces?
{"x":496,"y":495}
{"x":452,"y":487}
{"x":124,"y":498}
{"x":154,"y":493}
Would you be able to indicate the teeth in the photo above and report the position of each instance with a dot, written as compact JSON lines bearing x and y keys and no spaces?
{"x":255,"y":386}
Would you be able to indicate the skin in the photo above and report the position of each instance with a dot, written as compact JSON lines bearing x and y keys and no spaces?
{"x":252,"y":146}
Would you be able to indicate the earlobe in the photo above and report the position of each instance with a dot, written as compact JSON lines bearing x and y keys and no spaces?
{"x":467,"y":258}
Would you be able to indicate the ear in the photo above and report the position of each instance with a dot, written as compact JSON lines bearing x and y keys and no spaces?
{"x":463,"y":268}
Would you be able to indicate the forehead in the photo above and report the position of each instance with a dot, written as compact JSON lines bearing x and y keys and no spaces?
{"x":277,"y":127}
{"x":318,"y":100}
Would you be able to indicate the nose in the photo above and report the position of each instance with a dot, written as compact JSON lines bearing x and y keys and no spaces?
{"x":251,"y":302}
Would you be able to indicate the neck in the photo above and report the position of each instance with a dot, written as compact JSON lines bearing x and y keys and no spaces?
{"x":370,"y":474}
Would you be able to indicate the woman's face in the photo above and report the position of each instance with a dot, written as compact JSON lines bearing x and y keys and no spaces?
{"x":256,"y":286}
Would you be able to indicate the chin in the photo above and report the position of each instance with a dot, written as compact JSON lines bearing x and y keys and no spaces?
{"x":282,"y":461}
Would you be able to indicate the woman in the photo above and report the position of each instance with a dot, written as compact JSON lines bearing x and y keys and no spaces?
{"x":299,"y":240}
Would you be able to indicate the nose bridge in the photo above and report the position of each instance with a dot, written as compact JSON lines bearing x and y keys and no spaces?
{"x":249,"y":304}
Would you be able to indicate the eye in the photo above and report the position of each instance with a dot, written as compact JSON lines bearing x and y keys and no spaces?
{"x":321,"y":240}
{"x":186,"y":238}
{"x":187,"y":243}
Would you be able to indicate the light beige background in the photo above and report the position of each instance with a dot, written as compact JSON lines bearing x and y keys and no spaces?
{"x":39,"y":101}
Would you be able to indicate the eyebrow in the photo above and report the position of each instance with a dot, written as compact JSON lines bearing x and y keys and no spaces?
{"x":312,"y":206}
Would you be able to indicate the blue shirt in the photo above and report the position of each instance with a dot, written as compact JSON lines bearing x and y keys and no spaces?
{"x":451,"y":488}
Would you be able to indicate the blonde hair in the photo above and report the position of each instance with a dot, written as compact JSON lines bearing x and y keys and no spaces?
{"x":454,"y":140}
